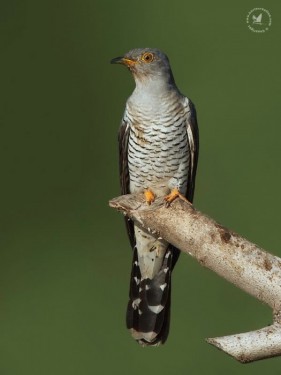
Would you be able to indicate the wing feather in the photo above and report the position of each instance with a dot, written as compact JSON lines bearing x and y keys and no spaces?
{"x":193,"y":140}
{"x":123,"y":139}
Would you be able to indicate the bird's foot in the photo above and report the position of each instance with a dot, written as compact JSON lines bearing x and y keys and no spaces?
{"x":173,"y":195}
{"x":149,"y":196}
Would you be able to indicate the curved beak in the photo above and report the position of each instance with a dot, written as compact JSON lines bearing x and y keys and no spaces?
{"x":123,"y":60}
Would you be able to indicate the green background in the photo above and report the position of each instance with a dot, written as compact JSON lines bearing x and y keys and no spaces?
{"x":65,"y":258}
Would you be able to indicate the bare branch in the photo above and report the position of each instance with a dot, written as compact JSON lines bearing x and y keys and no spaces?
{"x":226,"y":253}
{"x":251,"y":346}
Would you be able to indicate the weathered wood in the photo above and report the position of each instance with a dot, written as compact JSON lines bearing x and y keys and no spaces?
{"x":223,"y":251}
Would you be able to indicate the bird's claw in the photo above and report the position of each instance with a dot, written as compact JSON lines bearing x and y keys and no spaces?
{"x":149,"y":196}
{"x":173,"y":195}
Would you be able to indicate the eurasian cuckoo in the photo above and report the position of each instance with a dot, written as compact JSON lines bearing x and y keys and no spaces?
{"x":158,"y":145}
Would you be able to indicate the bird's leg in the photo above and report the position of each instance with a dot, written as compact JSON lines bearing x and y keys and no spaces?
{"x":175,"y":193}
{"x":149,"y":196}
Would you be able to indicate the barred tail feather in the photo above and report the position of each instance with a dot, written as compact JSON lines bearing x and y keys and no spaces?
{"x":148,"y":312}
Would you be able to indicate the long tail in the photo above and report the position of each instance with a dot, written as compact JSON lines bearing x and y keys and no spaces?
{"x":148,"y":312}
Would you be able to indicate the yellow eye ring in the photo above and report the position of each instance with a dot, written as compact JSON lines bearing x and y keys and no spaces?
{"x":147,"y":57}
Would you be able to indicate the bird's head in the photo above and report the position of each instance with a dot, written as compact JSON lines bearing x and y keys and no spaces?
{"x":146,"y":64}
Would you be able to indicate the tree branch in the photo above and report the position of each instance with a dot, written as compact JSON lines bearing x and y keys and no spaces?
{"x":229,"y":255}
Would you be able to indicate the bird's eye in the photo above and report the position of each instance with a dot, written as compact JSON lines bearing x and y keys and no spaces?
{"x":147,"y":57}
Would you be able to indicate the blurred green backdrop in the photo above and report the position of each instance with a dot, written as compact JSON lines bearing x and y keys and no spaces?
{"x":65,"y":257}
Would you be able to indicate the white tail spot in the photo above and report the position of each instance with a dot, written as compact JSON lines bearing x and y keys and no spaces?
{"x":156,"y":309}
{"x":135,"y":303}
{"x":137,"y":280}
{"x":149,"y":336}
{"x":163,"y":286}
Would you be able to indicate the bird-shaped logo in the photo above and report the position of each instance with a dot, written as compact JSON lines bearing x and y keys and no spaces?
{"x":257,"y":19}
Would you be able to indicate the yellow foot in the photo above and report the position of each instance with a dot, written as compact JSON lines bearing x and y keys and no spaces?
{"x":173,"y":195}
{"x":149,"y":196}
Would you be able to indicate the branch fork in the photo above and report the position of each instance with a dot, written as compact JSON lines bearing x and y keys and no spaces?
{"x":231,"y":256}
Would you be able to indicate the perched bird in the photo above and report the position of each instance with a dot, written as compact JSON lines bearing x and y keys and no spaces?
{"x":158,"y":146}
